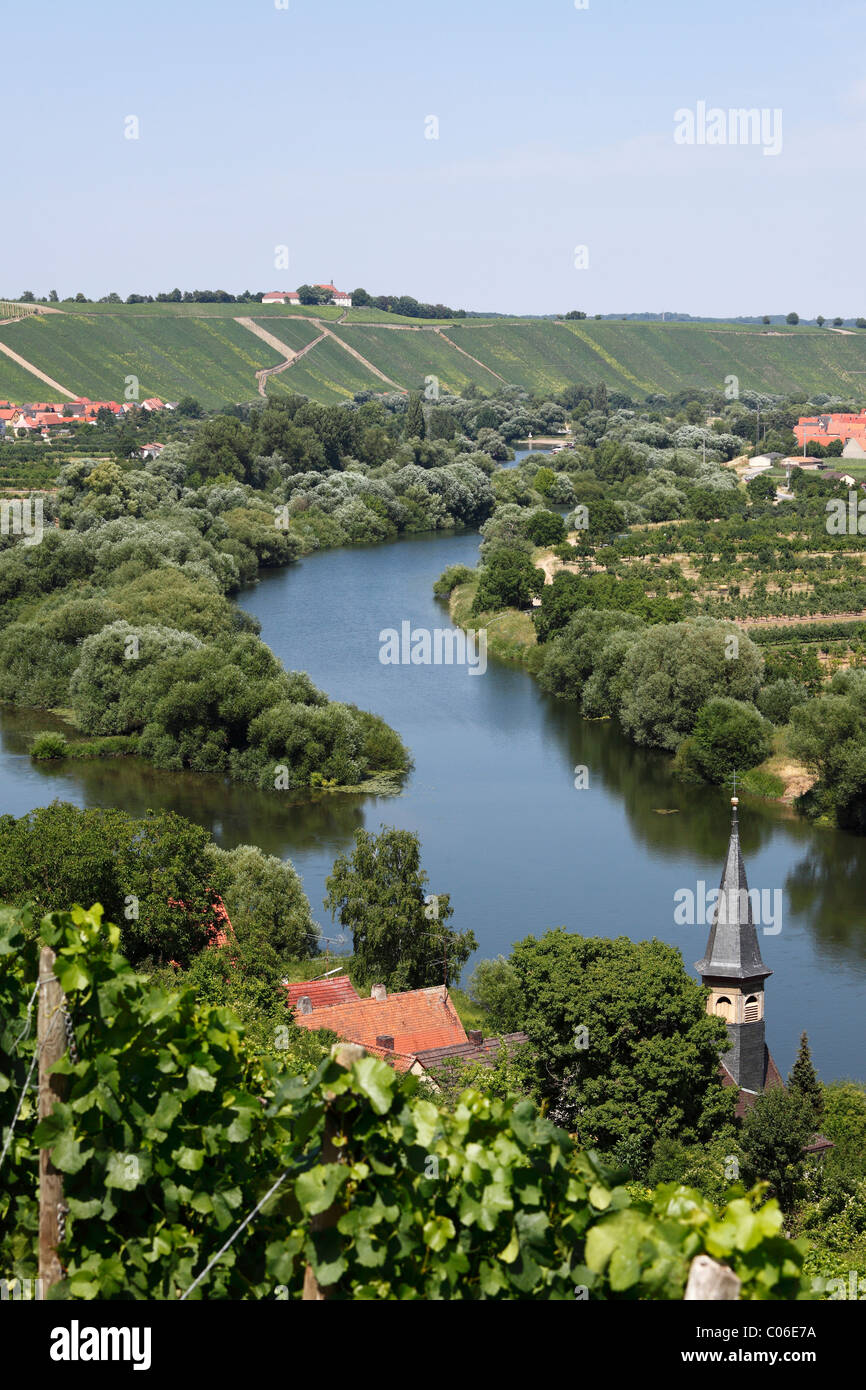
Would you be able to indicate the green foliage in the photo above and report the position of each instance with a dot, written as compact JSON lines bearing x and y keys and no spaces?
{"x":172,"y":1130}
{"x":156,"y":876}
{"x":775,"y":1128}
{"x":646,"y":1064}
{"x":803,"y":1081}
{"x":829,"y":734}
{"x":400,"y":932}
{"x":728,"y":736}
{"x":450,"y":578}
{"x":777,"y":699}
{"x":495,"y":986}
{"x":671,"y":671}
{"x":48,"y":745}
{"x":508,"y":580}
{"x":544,"y":527}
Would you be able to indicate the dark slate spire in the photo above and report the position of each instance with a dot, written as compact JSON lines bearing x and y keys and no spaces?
{"x":732,"y":948}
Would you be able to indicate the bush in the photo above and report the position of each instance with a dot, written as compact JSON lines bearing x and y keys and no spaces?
{"x":729,"y":735}
{"x":48,"y":745}
{"x":777,"y":699}
{"x":450,"y":578}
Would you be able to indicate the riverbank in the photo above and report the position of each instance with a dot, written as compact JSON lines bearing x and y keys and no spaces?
{"x":511,"y":637}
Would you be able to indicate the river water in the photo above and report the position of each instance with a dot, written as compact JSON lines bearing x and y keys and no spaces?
{"x":492,"y":795}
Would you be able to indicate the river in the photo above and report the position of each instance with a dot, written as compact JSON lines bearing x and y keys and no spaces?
{"x":492,"y":796}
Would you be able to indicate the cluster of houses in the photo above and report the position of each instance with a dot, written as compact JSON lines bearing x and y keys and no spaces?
{"x":291,"y":296}
{"x":43,"y":417}
{"x":824,"y":429}
{"x":414,"y":1030}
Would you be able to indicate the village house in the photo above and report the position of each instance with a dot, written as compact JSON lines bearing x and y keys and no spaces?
{"x":41,"y":417}
{"x":281,"y":297}
{"x":337,"y":296}
{"x":824,"y":429}
{"x":413,"y":1030}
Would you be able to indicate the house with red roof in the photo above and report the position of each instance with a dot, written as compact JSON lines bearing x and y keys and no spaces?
{"x":337,"y":296}
{"x":281,"y":297}
{"x":413,"y":1030}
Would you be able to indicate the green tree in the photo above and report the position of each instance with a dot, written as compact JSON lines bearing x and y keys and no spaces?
{"x":414,"y":426}
{"x":804,"y":1080}
{"x":495,"y":987}
{"x":774,"y":1131}
{"x":792,"y":318}
{"x":545,"y":528}
{"x":599,"y":397}
{"x":729,"y":736}
{"x":400,"y":931}
{"x":625,"y":1047}
{"x":673,"y":669}
{"x":508,"y":580}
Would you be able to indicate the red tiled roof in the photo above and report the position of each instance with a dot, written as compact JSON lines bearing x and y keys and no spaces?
{"x":416,"y":1019}
{"x":322,"y":994}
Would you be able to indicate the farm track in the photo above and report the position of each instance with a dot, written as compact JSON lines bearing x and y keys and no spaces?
{"x":34,"y":371}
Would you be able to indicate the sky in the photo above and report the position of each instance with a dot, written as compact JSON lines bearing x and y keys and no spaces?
{"x":461,"y":151}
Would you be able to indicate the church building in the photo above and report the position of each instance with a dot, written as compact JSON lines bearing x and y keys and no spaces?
{"x":735,"y":973}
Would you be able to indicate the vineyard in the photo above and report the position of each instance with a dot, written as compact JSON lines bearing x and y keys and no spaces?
{"x":176,"y":349}
{"x":193,"y":1166}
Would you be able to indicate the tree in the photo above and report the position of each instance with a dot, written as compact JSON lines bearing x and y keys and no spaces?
{"x":545,"y":528}
{"x":53,"y":297}
{"x":28,"y":297}
{"x":414,"y":427}
{"x":774,"y":1131}
{"x":766,"y":318}
{"x":729,"y":736}
{"x":308,"y":294}
{"x":400,"y":932}
{"x":860,"y":323}
{"x":792,"y":318}
{"x":837,"y":322}
{"x":674,"y":668}
{"x":266,"y":903}
{"x":508,"y":580}
{"x":820,"y":320}
{"x":189,"y":407}
{"x":495,"y":987}
{"x":624,"y":1045}
{"x":804,"y":1080}
{"x":575,"y":314}
{"x":599,"y":397}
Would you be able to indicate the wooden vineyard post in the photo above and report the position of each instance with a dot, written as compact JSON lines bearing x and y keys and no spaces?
{"x":344,"y":1055}
{"x":51,"y":1042}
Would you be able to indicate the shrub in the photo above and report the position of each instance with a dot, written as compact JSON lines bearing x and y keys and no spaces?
{"x":48,"y":745}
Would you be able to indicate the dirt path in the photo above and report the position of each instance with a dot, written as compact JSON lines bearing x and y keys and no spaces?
{"x":326,"y":333}
{"x":801,"y":620}
{"x":288,"y":353}
{"x":476,"y":360}
{"x":34,"y":371}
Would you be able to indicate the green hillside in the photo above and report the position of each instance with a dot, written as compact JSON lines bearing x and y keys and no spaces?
{"x":408,"y":357}
{"x":203,"y":351}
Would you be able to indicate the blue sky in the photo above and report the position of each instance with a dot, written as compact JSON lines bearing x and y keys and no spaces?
{"x":262,"y":127}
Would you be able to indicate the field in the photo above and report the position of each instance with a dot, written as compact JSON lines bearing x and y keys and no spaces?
{"x":175,"y":349}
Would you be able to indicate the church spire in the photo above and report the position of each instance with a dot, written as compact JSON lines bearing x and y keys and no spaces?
{"x":734,"y":973}
{"x":732,"y":950}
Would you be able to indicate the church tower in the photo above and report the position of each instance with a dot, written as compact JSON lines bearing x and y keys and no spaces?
{"x":735,"y":973}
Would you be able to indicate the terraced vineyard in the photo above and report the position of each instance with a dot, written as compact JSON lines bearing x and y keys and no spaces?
{"x":200,"y":349}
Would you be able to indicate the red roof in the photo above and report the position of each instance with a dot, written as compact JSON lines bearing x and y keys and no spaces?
{"x":322,"y":994}
{"x":416,"y":1019}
